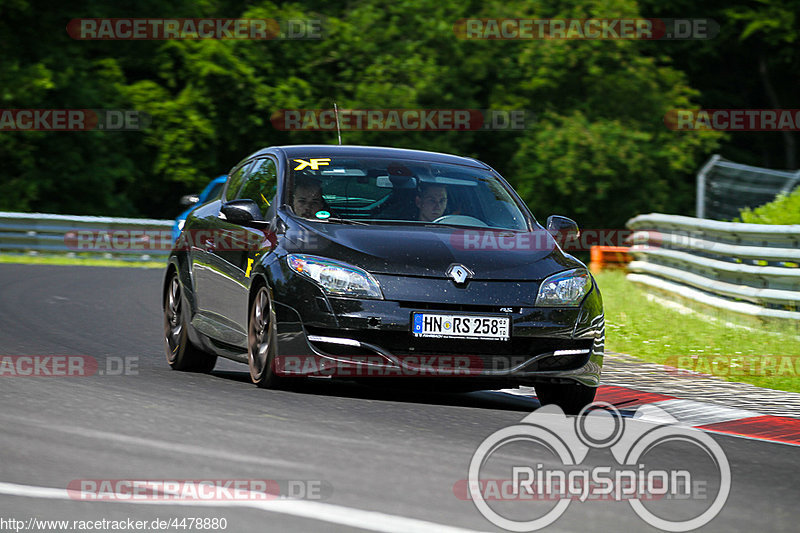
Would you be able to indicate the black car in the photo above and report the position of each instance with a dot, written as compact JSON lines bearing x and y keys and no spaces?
{"x":366,"y":262}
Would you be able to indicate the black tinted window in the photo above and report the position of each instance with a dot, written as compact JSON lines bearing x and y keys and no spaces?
{"x":235,"y":181}
{"x":261,"y":184}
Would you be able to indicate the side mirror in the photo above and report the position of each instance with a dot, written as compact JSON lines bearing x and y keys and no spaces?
{"x":189,"y":199}
{"x":558,"y":225}
{"x":242,"y":212}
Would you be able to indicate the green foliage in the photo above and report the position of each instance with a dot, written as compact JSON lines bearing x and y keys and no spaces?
{"x":785,"y":209}
{"x":753,"y":63}
{"x":598,"y":149}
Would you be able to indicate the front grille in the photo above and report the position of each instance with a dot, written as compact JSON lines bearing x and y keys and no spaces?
{"x":425,"y":306}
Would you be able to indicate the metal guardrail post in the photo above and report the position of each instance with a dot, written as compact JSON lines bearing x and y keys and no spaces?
{"x":791,"y":184}
{"x":700,"y":207}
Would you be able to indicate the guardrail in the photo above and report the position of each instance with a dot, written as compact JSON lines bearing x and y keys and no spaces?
{"x":132,"y":239}
{"x":746,"y":268}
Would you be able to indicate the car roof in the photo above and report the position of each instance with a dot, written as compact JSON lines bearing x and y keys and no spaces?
{"x":328,"y":150}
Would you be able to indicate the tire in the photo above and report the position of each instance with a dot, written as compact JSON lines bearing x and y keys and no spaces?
{"x":262,"y":341}
{"x":181,"y":353}
{"x":570,"y":397}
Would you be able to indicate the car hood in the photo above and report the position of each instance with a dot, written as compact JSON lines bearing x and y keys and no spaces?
{"x":429,"y":251}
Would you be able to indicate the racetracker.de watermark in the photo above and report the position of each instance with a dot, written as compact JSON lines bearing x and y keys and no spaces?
{"x":73,"y":120}
{"x":539,"y":240}
{"x":350,"y":365}
{"x":414,"y":366}
{"x":198,"y":490}
{"x":142,"y":239}
{"x":493,"y":240}
{"x":547,"y":461}
{"x":585,"y":29}
{"x":733,"y":119}
{"x":160,"y":29}
{"x":733,"y":365}
{"x":66,"y":366}
{"x":402,"y":119}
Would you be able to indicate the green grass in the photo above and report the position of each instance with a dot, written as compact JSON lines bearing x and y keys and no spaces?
{"x":82,"y":261}
{"x":660,"y":334}
{"x":785,"y":209}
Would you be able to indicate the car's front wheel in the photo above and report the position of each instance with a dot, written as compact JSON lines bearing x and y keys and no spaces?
{"x":181,"y":353}
{"x":261,"y":340}
{"x":570,"y":397}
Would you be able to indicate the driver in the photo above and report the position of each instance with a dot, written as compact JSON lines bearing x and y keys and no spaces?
{"x":307,"y":198}
{"x":431,"y":201}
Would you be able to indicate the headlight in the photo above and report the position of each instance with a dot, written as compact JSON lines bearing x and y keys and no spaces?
{"x":181,"y":223}
{"x":565,"y":289}
{"x":336,"y":278}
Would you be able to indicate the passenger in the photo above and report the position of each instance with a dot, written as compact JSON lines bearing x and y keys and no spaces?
{"x":307,"y":199}
{"x":431,"y":201}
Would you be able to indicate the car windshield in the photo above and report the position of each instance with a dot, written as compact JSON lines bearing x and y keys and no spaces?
{"x":390,"y":191}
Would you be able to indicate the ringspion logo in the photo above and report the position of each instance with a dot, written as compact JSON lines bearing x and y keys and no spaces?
{"x":546,"y":462}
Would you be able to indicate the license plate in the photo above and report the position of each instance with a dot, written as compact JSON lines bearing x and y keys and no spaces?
{"x":460,"y":326}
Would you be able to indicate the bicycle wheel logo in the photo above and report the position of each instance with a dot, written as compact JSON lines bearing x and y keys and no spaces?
{"x":631,"y":442}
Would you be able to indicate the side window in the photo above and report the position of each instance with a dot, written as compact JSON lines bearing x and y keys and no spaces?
{"x":213,"y":194}
{"x":261,"y":185}
{"x":235,"y":181}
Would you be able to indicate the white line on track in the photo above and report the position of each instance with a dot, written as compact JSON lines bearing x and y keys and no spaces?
{"x":324,"y":512}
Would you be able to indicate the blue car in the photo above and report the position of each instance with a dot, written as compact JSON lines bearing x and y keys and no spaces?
{"x":211,"y":192}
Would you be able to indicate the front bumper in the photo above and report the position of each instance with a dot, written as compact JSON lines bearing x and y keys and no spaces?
{"x":352,"y":338}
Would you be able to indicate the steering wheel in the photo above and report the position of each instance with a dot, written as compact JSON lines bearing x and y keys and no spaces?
{"x":462,"y":220}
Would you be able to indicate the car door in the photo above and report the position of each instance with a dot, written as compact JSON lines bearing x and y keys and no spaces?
{"x":240,"y":246}
{"x":208,"y":271}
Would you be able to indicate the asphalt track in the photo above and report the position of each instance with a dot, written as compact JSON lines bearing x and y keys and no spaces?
{"x":389,"y":459}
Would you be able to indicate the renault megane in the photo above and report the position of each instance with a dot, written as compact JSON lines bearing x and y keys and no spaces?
{"x":367,"y":262}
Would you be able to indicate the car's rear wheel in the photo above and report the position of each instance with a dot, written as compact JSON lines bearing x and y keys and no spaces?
{"x":181,"y":353}
{"x":261,"y":340}
{"x":570,"y":397}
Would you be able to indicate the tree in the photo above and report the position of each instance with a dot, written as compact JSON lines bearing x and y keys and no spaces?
{"x":597,"y":149}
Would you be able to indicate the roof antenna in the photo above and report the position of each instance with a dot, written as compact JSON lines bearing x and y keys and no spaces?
{"x":338,"y":128}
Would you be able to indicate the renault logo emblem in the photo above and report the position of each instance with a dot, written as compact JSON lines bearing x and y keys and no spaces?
{"x":459,"y":273}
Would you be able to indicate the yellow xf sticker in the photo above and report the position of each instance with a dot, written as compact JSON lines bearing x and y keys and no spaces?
{"x":314,"y":164}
